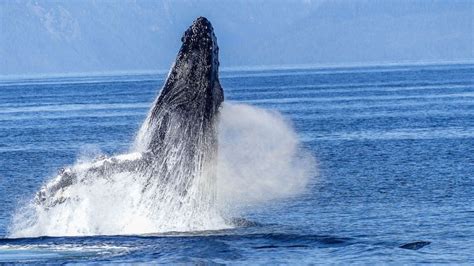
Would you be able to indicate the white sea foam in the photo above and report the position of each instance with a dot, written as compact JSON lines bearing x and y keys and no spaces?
{"x":259,"y":159}
{"x":30,"y":252}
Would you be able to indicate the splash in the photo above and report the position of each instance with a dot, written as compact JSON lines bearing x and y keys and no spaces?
{"x":259,"y":160}
{"x":260,"y":157}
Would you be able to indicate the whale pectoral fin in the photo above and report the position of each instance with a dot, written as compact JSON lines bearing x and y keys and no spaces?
{"x":65,"y":179}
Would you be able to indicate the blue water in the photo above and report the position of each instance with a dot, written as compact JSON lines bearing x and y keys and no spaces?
{"x":394,"y":145}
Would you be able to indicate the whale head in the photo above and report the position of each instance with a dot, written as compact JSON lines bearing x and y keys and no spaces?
{"x":191,"y":96}
{"x":193,"y":82}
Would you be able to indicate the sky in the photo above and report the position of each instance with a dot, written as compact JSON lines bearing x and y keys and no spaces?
{"x":85,"y":36}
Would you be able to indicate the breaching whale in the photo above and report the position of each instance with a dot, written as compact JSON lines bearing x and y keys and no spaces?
{"x":176,"y":146}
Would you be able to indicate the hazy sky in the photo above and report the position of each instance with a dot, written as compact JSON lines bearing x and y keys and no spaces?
{"x":133,"y":35}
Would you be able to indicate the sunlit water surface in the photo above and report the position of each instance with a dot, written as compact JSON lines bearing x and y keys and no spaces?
{"x":394,"y":145}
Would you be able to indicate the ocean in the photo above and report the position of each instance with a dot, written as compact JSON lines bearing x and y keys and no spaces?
{"x":393,"y":145}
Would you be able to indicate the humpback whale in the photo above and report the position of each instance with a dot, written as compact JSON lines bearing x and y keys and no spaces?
{"x":176,"y":146}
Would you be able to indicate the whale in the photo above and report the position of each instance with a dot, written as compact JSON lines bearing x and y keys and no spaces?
{"x":176,"y":146}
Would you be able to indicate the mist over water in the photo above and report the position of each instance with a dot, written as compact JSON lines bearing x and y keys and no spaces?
{"x":259,"y":159}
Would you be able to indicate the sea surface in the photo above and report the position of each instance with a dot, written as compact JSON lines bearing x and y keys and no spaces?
{"x":394,"y":145}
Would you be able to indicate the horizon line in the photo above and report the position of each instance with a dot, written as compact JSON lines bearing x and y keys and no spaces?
{"x":242,"y":68}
